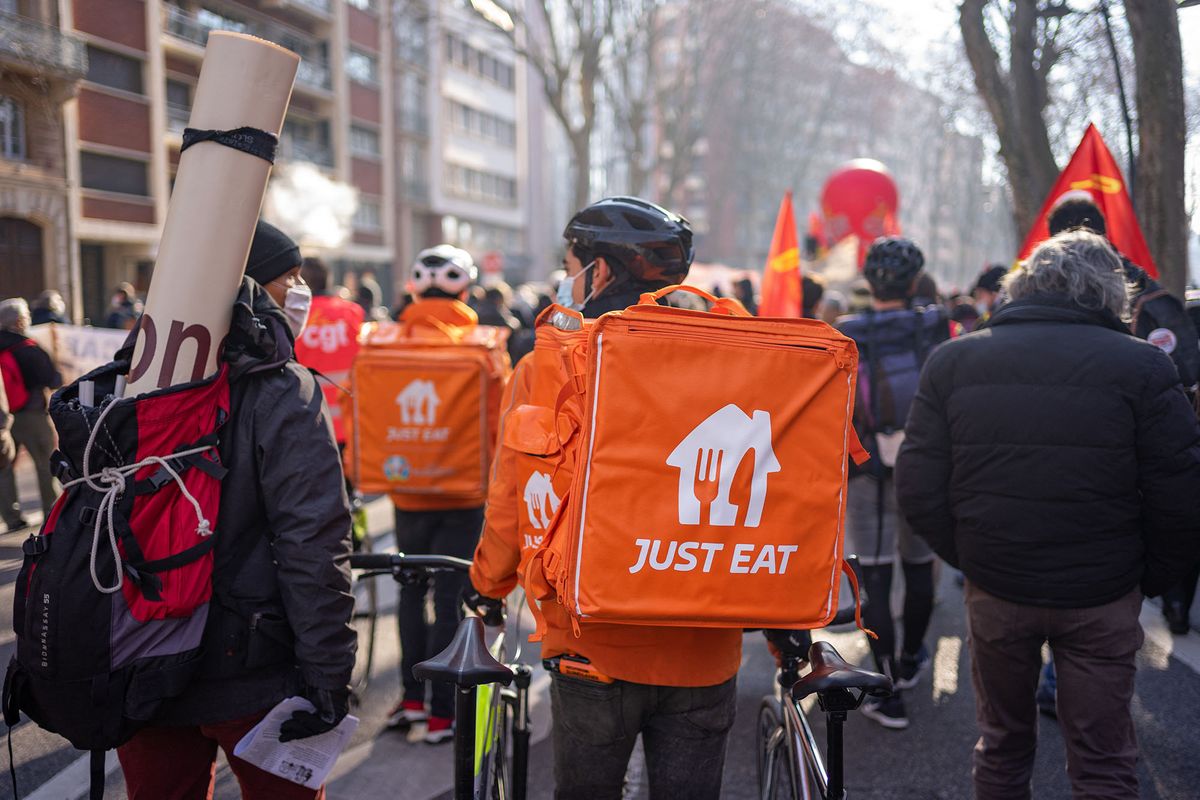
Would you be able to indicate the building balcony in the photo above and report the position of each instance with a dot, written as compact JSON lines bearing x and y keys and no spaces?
{"x":415,"y":190}
{"x":321,"y":10}
{"x":293,"y":150}
{"x":34,"y":48}
{"x":313,"y":73}
{"x":177,"y":118}
{"x":414,"y":122}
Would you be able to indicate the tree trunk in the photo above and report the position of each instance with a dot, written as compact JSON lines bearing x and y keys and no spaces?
{"x":1162,"y":132}
{"x":1014,"y":102}
{"x":581,"y":169}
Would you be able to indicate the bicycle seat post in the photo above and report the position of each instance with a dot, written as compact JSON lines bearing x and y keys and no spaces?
{"x":464,"y":742}
{"x":836,"y":719}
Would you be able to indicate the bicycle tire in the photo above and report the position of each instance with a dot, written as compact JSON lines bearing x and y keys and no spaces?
{"x":365,"y":622}
{"x":773,"y":754}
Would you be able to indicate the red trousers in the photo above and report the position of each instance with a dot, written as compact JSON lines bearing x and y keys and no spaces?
{"x":179,"y":762}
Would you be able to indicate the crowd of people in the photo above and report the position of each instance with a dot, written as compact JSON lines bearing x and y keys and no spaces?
{"x":1026,"y":434}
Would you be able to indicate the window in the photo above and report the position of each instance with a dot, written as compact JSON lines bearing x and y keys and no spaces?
{"x":179,"y":94}
{"x":110,"y":69}
{"x":364,"y":141}
{"x":477,"y":62}
{"x":475,"y":184}
{"x":362,"y":5}
{"x":367,"y":216}
{"x":473,"y":122}
{"x":362,"y":67}
{"x":12,"y":129}
{"x":113,"y":174}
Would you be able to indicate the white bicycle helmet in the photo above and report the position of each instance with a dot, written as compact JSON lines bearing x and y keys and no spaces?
{"x":446,"y":268}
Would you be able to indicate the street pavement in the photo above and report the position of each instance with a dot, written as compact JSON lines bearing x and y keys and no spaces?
{"x":929,"y":760}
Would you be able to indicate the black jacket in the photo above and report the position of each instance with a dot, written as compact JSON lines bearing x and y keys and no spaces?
{"x":282,"y":603}
{"x":1156,"y":310}
{"x":37,"y":368}
{"x":1054,"y":458}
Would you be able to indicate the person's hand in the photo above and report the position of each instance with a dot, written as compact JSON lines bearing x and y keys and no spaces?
{"x":788,"y":644}
{"x":489,"y":609}
{"x":332,"y":706}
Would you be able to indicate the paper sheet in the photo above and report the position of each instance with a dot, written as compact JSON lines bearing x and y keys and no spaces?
{"x":304,"y":761}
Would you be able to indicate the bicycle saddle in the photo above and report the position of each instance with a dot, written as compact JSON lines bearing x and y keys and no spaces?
{"x":466,"y":661}
{"x":830,"y":673}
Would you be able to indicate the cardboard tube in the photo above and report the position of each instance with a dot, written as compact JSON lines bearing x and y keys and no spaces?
{"x":244,"y":81}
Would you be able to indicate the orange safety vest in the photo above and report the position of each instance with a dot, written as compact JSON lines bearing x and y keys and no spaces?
{"x":328,"y":344}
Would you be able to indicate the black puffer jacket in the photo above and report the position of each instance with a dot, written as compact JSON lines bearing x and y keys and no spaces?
{"x":282,"y":606}
{"x":1054,"y":458}
{"x":1157,"y":311}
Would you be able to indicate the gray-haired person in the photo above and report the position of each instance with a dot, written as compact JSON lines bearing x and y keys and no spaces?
{"x":28,"y":375}
{"x":1055,"y":460}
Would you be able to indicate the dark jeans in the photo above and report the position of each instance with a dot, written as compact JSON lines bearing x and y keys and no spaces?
{"x":683,"y":733}
{"x":1094,"y":650}
{"x":445,"y":533}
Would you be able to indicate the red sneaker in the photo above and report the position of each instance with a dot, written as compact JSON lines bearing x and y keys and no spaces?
{"x":440,"y":730}
{"x":406,"y":714}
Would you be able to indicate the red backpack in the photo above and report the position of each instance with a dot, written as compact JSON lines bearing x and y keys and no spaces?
{"x":14,"y":381}
{"x":112,"y":599}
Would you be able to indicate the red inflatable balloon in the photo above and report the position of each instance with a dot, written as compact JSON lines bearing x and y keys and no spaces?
{"x":860,"y":198}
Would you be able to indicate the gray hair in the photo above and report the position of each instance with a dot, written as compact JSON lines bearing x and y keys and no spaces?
{"x":1078,"y":264}
{"x":12,"y":311}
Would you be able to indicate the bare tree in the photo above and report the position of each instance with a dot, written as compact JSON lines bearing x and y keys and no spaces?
{"x":1016,"y":97}
{"x":630,"y":83}
{"x":563,"y":41}
{"x":1162,"y":135}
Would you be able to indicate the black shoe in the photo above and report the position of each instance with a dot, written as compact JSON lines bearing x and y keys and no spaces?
{"x":912,"y":668}
{"x":887,"y":711}
{"x":19,"y":525}
{"x":1177,"y":618}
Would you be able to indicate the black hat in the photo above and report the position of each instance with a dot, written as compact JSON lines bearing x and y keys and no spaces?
{"x":991,"y":277}
{"x":272,"y":253}
{"x":1076,"y":212}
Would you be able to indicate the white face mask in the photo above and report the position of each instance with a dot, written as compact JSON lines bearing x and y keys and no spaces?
{"x":565,"y":296}
{"x":296,"y":305}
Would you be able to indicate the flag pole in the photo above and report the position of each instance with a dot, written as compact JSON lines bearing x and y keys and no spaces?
{"x":1112,"y":44}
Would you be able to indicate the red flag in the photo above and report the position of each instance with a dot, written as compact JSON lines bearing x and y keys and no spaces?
{"x":781,"y":276}
{"x":1092,"y":169}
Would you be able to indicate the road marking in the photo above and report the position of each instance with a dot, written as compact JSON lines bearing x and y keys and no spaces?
{"x":945,"y":667}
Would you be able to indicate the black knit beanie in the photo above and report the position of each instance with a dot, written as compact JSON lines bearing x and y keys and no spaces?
{"x":272,"y":253}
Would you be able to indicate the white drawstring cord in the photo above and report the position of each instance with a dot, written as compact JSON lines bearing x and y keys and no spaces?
{"x":111,"y":482}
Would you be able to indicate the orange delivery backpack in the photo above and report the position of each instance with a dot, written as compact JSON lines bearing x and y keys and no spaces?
{"x":708,"y":454}
{"x":533,"y":466}
{"x":424,"y":408}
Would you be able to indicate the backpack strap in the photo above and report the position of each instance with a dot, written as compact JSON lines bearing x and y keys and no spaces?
{"x":853,"y":578}
{"x":1140,"y":302}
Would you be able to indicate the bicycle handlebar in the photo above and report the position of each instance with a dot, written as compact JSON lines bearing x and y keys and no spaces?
{"x":404,"y":561}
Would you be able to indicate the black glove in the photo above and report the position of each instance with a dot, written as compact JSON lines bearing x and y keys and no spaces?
{"x":332,"y":705}
{"x":489,"y":609}
{"x":788,"y":643}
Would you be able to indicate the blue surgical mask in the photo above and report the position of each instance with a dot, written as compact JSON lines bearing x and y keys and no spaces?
{"x":565,"y":296}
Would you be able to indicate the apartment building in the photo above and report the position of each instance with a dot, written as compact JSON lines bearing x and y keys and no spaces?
{"x":40,"y":70}
{"x":478,"y":146}
{"x":124,"y":129}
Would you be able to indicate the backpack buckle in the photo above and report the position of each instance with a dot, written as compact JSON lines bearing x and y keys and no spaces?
{"x":87,"y":515}
{"x":35,"y":545}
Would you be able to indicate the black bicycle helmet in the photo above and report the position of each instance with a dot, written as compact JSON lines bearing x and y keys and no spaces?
{"x":893,"y":263}
{"x":641,"y":242}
